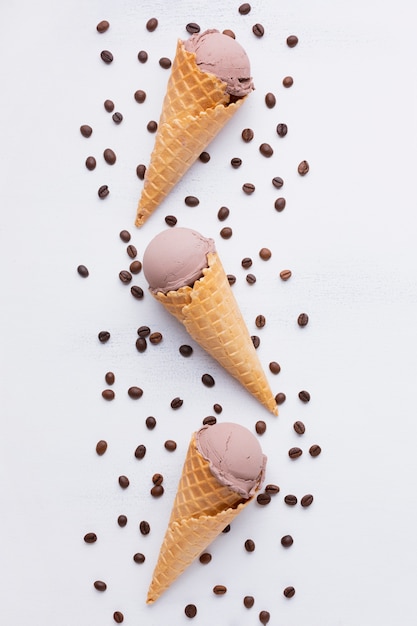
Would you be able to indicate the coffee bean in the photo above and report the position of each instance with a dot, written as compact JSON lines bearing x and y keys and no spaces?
{"x":274,"y":367}
{"x":192,"y":28}
{"x":125,"y":277}
{"x":139,"y":558}
{"x":226,"y":232}
{"x":270,"y":100}
{"x":249,"y":545}
{"x":109,"y":156}
{"x":109,"y":378}
{"x":170,"y":220}
{"x":150,"y":422}
{"x":165,"y":63}
{"x":247,"y":135}
{"x":244,"y":8}
{"x":291,"y":500}
{"x":266,"y":150}
{"x":280,"y":398}
{"x":265,"y":254}
{"x":101,"y":447}
{"x":204,"y":157}
{"x":251,"y":279}
{"x":248,"y":601}
{"x":289,"y":592}
{"x":292,"y":41}
{"x":264,"y":617}
{"x":141,"y":171}
{"x":106,"y":56}
{"x":226,"y":529}
{"x":137,"y":292}
{"x":294,"y":453}
{"x":303,"y":168}
{"x":285,"y":274}
{"x":282,"y":130}
{"x":288,"y":81}
{"x":103,"y":192}
{"x":280,"y":204}
{"x":287,"y":541}
{"x":217,"y":408}
{"x":246,"y":263}
{"x":208,"y":380}
{"x":140,"y":96}
{"x":151,"y":24}
{"x":260,"y":321}
{"x":229,"y":33}
{"x":118,"y":617}
{"x":117,"y":117}
{"x":248,"y":188}
{"x":170,"y":445}
{"x":185,"y":350}
{"x":299,"y":428}
{"x":315,"y":450}
{"x":142,"y":56}
{"x":124,"y":482}
{"x":155,"y":338}
{"x":304,"y":396}
{"x":302,"y":319}
{"x":157,"y":479}
{"x":277,"y":182}
{"x":108,"y":394}
{"x":263,"y":498}
{"x":219,"y":590}
{"x":135,"y":392}
{"x":307,"y":500}
{"x":152,"y":126}
{"x":124,"y":236}
{"x":157,"y":491}
{"x":90,"y":538}
{"x":191,"y":201}
{"x":86,"y":130}
{"x":103,"y":26}
{"x":223,"y":213}
{"x":140,"y":451}
{"x":205,"y":558}
{"x":109,"y":105}
{"x":209,"y":420}
{"x":231,"y":279}
{"x":135,"y":267}
{"x":260,"y":427}
{"x":190,"y":610}
{"x":236,"y":162}
{"x":141,"y":344}
{"x":90,"y":163}
{"x":258,"y":30}
{"x":256,"y":341}
{"x":131,"y":251}
{"x":144,"y":527}
{"x":100,"y":585}
{"x":122,"y":521}
{"x":272,"y":489}
{"x":83,"y":271}
{"x":103,"y":336}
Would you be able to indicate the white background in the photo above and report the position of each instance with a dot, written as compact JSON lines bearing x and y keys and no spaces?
{"x":348,"y":235}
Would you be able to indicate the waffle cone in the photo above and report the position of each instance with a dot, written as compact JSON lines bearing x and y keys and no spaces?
{"x":211,"y":315}
{"x":195,"y":108}
{"x":202,"y":509}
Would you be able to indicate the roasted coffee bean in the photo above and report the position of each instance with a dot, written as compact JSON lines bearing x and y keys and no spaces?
{"x":141,"y":344}
{"x":124,"y":236}
{"x":288,"y":81}
{"x":192,"y":28}
{"x":299,"y":427}
{"x":140,"y":96}
{"x":185,"y":350}
{"x":217,"y":408}
{"x":209,"y":420}
{"x":135,"y":392}
{"x":280,"y":398}
{"x":144,"y":527}
{"x":103,"y":336}
{"x":315,"y":450}
{"x":131,"y":251}
{"x":264,"y":617}
{"x":277,"y":182}
{"x":248,"y":188}
{"x":287,"y":541}
{"x":170,"y":220}
{"x":256,"y":341}
{"x":292,"y":41}
{"x":226,"y":232}
{"x":190,"y":610}
{"x":140,"y":451}
{"x":246,"y":263}
{"x":258,"y":30}
{"x":304,"y":396}
{"x":302,"y":319}
{"x":142,"y":56}
{"x":247,"y":135}
{"x":279,"y":204}
{"x":244,"y":8}
{"x":270,"y":100}
{"x":294,"y":453}
{"x":157,"y":479}
{"x":125,"y":277}
{"x":266,"y":150}
{"x":155,"y":338}
{"x":236,"y":162}
{"x":117,"y":117}
{"x":109,"y":105}
{"x":109,"y":156}
{"x":223,"y":213}
{"x":137,"y":292}
{"x":229,"y":33}
{"x":122,"y":521}
{"x":285,"y":274}
{"x":282,"y":130}
{"x":204,"y":157}
{"x":219,"y":590}
{"x":157,"y":491}
{"x":226,"y":529}
{"x":101,"y":447}
{"x":265,"y":254}
{"x":191,"y":201}
{"x":165,"y":63}
{"x":231,"y":279}
{"x":86,"y":130}
{"x":248,"y":601}
{"x":100,"y":585}
{"x":139,"y":558}
{"x":307,"y":500}
{"x":108,"y":394}
{"x":170,"y":445}
{"x":151,"y":24}
{"x":141,"y":171}
{"x":90,"y":163}
{"x":289,"y":592}
{"x":249,"y":545}
{"x":263,"y":498}
{"x":152,"y":126}
{"x":103,"y":26}
{"x":260,"y":427}
{"x":83,"y":271}
{"x":205,"y":558}
{"x":110,"y":378}
{"x":274,"y":367}
{"x":135,"y":267}
{"x":150,"y":422}
{"x":290,"y":499}
{"x":106,"y":56}
{"x":124,"y":482}
{"x":103,"y":192}
{"x":90,"y":538}
{"x":208,"y":380}
{"x":118,"y":617}
{"x":260,"y":321}
{"x":251,"y":279}
{"x":272,"y":489}
{"x":303,"y":168}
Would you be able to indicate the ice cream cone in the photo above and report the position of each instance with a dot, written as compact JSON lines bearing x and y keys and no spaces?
{"x":195,"y":108}
{"x":211,"y":315}
{"x":202,"y":509}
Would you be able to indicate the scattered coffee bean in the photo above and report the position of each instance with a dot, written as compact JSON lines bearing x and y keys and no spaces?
{"x":139,"y":558}
{"x":217,"y":408}
{"x":109,"y":156}
{"x":140,"y":451}
{"x":142,"y":56}
{"x":248,"y":188}
{"x":152,"y":126}
{"x":170,"y":220}
{"x":307,"y":500}
{"x":251,"y":279}
{"x":315,"y":450}
{"x":223,"y":213}
{"x":122,"y":521}
{"x":190,"y":610}
{"x":236,"y":162}
{"x":302,"y":319}
{"x":109,"y":378}
{"x":248,"y":601}
{"x":155,"y":338}
{"x":90,"y":538}
{"x":274,"y":367}
{"x":124,"y":236}
{"x":103,"y":336}
{"x":289,"y":592}
{"x":125,"y":277}
{"x":282,"y":130}
{"x":303,"y":168}
{"x":90,"y":163}
{"x":205,"y":558}
{"x":117,"y":117}
{"x":135,"y":267}
{"x":157,"y":479}
{"x":226,"y":529}
{"x":100,"y":585}
{"x":280,"y":398}
{"x":204,"y":157}
{"x":260,"y":427}
{"x":264,"y":617}
{"x":299,"y":427}
{"x":279,"y":204}
{"x":103,"y":26}
{"x":265,"y":254}
{"x":260,"y":321}
{"x":277,"y":182}
{"x":292,"y":41}
{"x":285,"y":274}
{"x":103,"y":192}
{"x":287,"y":541}
{"x":191,"y":201}
{"x":231,"y":279}
{"x":208,"y":380}
{"x":256,"y":341}
{"x":266,"y":150}
{"x":108,"y":394}
{"x":83,"y":271}
{"x":270,"y":100}
{"x":144,"y":527}
{"x":219,"y":590}
{"x":249,"y":545}
{"x":118,"y":617}
{"x":288,"y":81}
{"x":140,"y":96}
{"x":141,"y":171}
{"x":291,"y":500}
{"x":263,"y":498}
{"x":165,"y":63}
{"x":247,"y":135}
{"x":304,"y":396}
{"x":141,"y":344}
{"x":209,"y":420}
{"x":137,"y":292}
{"x":258,"y":30}
{"x":101,"y":447}
{"x":109,"y":105}
{"x":229,"y":33}
{"x":151,"y":24}
{"x":86,"y":130}
{"x":157,"y":491}
{"x":244,"y":8}
{"x":294,"y":453}
{"x":135,"y":392}
{"x":150,"y":422}
{"x":192,"y":28}
{"x":124,"y":482}
{"x":170,"y":445}
{"x":106,"y":56}
{"x":226,"y":232}
{"x":185,"y":350}
{"x":272,"y":489}
{"x":246,"y":263}
{"x":131,"y":251}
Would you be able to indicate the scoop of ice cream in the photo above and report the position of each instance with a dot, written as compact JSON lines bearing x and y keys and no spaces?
{"x":223,"y":56}
{"x":235,"y":456}
{"x":175,"y":258}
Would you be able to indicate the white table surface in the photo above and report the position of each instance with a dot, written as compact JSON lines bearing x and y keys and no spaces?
{"x":348,"y":235}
